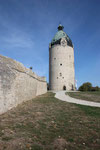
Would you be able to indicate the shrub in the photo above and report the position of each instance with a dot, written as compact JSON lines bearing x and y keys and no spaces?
{"x":31,"y":68}
{"x":85,"y":87}
{"x":95,"y":88}
{"x":88,"y":87}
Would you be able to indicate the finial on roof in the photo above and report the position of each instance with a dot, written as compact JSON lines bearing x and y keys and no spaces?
{"x":60,"y":27}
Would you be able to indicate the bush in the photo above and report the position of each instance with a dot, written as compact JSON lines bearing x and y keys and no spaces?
{"x":88,"y":87}
{"x":95,"y":88}
{"x":31,"y":68}
{"x":85,"y":87}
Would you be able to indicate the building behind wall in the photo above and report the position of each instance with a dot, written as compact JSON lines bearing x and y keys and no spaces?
{"x":61,"y":62}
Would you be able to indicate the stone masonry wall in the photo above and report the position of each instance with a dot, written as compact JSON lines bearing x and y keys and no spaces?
{"x":61,"y":67}
{"x":18,"y":84}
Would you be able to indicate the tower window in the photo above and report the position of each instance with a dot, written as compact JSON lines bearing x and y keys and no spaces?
{"x":63,"y":77}
{"x":60,"y":74}
{"x":69,"y":56}
{"x":54,"y":58}
{"x":57,"y":77}
{"x":60,"y":64}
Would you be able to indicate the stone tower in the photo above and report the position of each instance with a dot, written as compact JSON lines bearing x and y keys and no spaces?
{"x":61,"y":62}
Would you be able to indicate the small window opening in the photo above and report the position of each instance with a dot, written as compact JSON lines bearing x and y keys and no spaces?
{"x":60,"y":74}
{"x":57,"y":77}
{"x":54,"y":58}
{"x":60,"y":64}
{"x":63,"y":77}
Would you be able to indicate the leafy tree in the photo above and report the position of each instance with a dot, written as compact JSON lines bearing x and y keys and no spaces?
{"x":88,"y":87}
{"x":31,"y":68}
{"x":85,"y":87}
{"x":95,"y":88}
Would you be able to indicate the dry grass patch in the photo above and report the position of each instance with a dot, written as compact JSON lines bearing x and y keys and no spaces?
{"x":89,"y":96}
{"x":46,"y":123}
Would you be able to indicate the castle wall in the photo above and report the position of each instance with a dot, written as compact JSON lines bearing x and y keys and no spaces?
{"x":61,"y":67}
{"x":18,"y":84}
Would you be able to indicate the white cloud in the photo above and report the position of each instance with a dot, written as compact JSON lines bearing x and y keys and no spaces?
{"x":13,"y":36}
{"x":18,"y":39}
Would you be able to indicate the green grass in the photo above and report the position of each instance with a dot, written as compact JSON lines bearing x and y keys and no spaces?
{"x":46,"y":123}
{"x":89,"y":96}
{"x":90,"y":111}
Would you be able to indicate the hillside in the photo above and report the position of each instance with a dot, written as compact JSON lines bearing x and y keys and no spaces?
{"x":46,"y":123}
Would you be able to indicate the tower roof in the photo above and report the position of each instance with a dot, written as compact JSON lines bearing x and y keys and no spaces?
{"x":59,"y":35}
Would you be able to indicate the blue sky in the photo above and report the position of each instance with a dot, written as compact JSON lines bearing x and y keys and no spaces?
{"x":28,"y":26}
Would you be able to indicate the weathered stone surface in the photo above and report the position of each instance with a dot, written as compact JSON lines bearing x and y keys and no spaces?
{"x":61,"y":62}
{"x":61,"y":67}
{"x":18,"y":84}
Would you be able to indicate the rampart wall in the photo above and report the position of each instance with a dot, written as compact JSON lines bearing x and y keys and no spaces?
{"x":18,"y":84}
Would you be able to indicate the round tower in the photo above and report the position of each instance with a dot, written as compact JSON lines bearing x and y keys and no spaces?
{"x":61,"y":62}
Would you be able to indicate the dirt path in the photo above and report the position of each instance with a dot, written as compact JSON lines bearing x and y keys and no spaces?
{"x":62,"y":96}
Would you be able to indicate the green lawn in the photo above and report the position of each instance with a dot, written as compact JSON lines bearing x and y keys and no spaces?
{"x":90,"y":96}
{"x":46,"y":123}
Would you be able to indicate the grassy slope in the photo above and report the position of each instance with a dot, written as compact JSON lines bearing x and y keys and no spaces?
{"x":90,"y":96}
{"x":46,"y":123}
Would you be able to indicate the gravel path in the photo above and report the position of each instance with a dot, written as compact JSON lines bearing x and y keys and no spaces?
{"x":62,"y":96}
